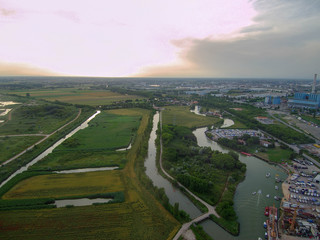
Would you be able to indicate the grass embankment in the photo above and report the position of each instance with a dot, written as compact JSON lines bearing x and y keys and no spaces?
{"x":140,"y":216}
{"x":181,"y":115}
{"x":78,"y":96}
{"x":11,"y":146}
{"x":200,"y":233}
{"x":95,"y":145}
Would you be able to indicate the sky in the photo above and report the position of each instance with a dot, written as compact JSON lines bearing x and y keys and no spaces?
{"x":160,"y":38}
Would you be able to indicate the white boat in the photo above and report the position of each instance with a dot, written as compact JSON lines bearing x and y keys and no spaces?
{"x":276,"y":187}
{"x":268,"y":195}
{"x":268,"y":174}
{"x":254,"y":193}
{"x":276,"y":198}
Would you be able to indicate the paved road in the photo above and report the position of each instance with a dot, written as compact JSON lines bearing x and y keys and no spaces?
{"x":211,"y":209}
{"x":294,"y":128}
{"x":43,"y":139}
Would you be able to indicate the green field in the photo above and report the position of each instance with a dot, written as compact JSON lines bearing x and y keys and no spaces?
{"x":74,"y":160}
{"x":64,"y":185}
{"x":105,"y":131}
{"x":95,"y":145}
{"x":181,"y":115}
{"x":10,"y":146}
{"x":39,"y":117}
{"x":77,"y":96}
{"x":277,"y":154}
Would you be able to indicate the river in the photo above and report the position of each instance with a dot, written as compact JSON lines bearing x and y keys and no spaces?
{"x":249,"y":208}
{"x":50,"y":149}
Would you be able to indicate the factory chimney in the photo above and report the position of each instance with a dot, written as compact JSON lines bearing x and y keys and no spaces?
{"x":314,"y":84}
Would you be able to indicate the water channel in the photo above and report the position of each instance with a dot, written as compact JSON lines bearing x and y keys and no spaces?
{"x":50,"y":149}
{"x":249,"y":207}
{"x":80,"y":202}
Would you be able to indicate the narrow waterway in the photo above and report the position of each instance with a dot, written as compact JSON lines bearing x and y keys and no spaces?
{"x":249,"y":207}
{"x":50,"y":149}
{"x":174,"y":194}
{"x":80,"y":202}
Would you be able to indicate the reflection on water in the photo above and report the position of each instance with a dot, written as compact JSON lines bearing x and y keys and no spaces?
{"x":87,"y":170}
{"x":227,"y":123}
{"x":174,"y":194}
{"x":50,"y":149}
{"x":80,"y":202}
{"x":249,"y":207}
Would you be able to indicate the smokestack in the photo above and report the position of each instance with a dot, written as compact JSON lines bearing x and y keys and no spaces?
{"x":314,"y":84}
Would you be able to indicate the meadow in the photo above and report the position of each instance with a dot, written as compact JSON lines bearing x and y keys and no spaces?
{"x":276,"y":154}
{"x":38,"y":117}
{"x":66,"y":185}
{"x":78,"y":96}
{"x":181,"y":115}
{"x":10,"y":146}
{"x":95,"y":145}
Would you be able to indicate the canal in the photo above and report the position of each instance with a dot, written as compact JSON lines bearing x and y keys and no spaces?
{"x":249,"y":207}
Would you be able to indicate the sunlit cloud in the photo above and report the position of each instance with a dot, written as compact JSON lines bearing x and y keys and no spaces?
{"x":118,"y":38}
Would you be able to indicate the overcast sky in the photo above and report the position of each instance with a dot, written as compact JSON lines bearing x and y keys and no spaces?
{"x":167,"y":38}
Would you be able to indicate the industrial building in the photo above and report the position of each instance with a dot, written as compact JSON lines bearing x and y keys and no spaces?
{"x":305,"y":100}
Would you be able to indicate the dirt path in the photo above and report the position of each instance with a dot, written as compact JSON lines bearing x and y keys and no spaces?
{"x":43,"y":139}
{"x":211,"y":209}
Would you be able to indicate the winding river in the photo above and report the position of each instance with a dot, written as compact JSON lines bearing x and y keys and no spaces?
{"x":50,"y":149}
{"x":249,"y":207}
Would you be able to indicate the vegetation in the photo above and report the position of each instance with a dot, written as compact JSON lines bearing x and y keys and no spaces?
{"x":66,"y":185}
{"x":38,"y":117}
{"x":181,"y":115}
{"x":8,"y":169}
{"x":212,"y":175}
{"x":11,"y":146}
{"x":93,"y":97}
{"x":138,"y":217}
{"x":232,"y":227}
{"x":200,"y":233}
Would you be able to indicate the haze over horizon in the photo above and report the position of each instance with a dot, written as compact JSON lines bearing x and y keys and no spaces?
{"x":198,"y":38}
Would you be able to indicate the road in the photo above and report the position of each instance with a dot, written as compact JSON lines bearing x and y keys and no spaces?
{"x":43,"y":139}
{"x":211,"y":209}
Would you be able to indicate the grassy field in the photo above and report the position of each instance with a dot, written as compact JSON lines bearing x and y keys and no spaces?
{"x":277,"y":154}
{"x":105,"y":131}
{"x":84,"y":159}
{"x":10,"y":146}
{"x":95,"y":145}
{"x":63,"y":185}
{"x":77,"y":96}
{"x":140,"y":216}
{"x":40,"y":117}
{"x":237,"y":124}
{"x":181,"y":115}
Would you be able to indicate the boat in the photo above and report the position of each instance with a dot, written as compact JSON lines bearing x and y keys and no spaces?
{"x":264,"y":224}
{"x":268,"y":174}
{"x":266,"y":211}
{"x":268,"y":195}
{"x":254,"y":193}
{"x":276,"y":187}
{"x":277,"y":198}
{"x":247,"y":154}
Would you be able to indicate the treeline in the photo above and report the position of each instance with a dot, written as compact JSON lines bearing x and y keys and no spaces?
{"x":128,"y":104}
{"x":194,"y":183}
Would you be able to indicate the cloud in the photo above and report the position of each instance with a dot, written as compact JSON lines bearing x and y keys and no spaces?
{"x":284,"y":41}
{"x":16,"y":69}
